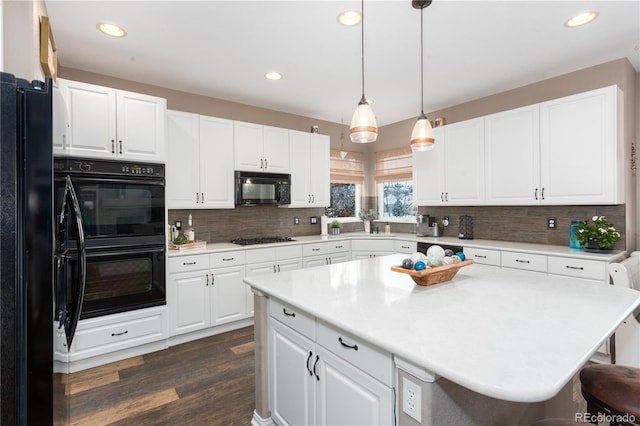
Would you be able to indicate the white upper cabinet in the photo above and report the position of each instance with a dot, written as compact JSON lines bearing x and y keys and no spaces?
{"x":512,"y":156}
{"x":107,"y":123}
{"x":581,"y":156}
{"x":261,"y":148}
{"x":200,"y":161}
{"x":452,"y":172}
{"x":309,"y":153}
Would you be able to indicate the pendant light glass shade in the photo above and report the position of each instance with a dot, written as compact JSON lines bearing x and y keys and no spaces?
{"x":364,"y":128}
{"x":422,"y":136}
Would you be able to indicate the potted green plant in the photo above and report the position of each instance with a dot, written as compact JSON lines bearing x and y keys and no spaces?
{"x":598,"y":235}
{"x":334,"y":227}
{"x":367,"y":216}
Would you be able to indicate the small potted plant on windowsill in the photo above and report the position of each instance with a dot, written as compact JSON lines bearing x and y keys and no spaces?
{"x":600,"y":236}
{"x":334,"y":227}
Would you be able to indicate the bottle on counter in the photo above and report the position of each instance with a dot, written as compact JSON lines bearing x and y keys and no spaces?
{"x":323,"y":224}
{"x":387,"y":228}
{"x":190,"y":233}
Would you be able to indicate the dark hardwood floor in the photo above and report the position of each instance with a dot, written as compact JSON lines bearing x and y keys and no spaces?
{"x":205,"y":382}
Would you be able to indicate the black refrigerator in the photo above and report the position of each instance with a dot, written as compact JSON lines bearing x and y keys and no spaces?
{"x":29,"y":393}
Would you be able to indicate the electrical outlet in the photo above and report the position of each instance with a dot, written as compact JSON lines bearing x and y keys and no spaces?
{"x":551,"y":223}
{"x":296,"y":220}
{"x":412,"y":399}
{"x":314,"y":220}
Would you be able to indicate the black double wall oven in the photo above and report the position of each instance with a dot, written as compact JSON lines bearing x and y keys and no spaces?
{"x":111,"y":232}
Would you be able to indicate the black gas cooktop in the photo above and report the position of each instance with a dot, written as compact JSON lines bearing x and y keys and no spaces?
{"x":261,"y":240}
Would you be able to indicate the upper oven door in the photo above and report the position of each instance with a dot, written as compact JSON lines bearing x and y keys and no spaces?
{"x":115,"y":210}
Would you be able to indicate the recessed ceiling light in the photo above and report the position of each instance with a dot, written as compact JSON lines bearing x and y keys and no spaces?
{"x":350,"y":18}
{"x":581,"y":19}
{"x":111,"y":29}
{"x":273,"y":75}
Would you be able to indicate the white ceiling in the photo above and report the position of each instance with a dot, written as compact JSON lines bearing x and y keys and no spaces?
{"x":222,"y":49}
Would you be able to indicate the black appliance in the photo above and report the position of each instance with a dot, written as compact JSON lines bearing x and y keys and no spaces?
{"x":423,"y":247}
{"x":26,"y":244}
{"x":121,"y":208}
{"x":261,"y":240}
{"x":262,"y":188}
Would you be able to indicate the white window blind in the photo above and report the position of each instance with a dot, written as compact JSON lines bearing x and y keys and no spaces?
{"x":393,"y":165}
{"x":349,"y":169}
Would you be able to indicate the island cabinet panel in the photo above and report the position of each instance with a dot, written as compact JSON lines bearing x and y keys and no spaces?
{"x":311,"y":384}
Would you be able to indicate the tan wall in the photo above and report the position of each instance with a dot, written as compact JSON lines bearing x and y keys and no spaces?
{"x":21,"y":38}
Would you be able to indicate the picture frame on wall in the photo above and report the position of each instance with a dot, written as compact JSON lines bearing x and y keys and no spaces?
{"x":48,"y":51}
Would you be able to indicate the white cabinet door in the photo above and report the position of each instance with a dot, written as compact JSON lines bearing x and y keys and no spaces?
{"x":188,"y":301}
{"x":182,"y":166}
{"x":464,"y":162}
{"x":60,"y":125}
{"x":319,"y":180}
{"x":140,"y":126}
{"x":248,"y":146}
{"x":216,"y":163}
{"x":512,"y":156}
{"x":339,"y":258}
{"x":228,"y":295}
{"x":276,"y":149}
{"x":428,"y":173}
{"x":91,"y":111}
{"x":300,"y":153}
{"x":346,"y":395}
{"x":579,"y":149}
{"x":312,"y":261}
{"x":291,"y":379}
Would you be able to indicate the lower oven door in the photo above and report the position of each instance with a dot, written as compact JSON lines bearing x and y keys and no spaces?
{"x":123,"y":279}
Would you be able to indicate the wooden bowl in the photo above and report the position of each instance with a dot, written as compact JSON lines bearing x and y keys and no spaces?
{"x":433,"y":275}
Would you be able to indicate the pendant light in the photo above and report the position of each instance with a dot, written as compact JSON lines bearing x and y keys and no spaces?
{"x":363,"y":123}
{"x":422,"y":134}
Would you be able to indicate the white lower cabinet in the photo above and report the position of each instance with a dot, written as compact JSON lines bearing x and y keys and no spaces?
{"x":368,"y":248}
{"x":312,"y":384}
{"x":206,"y":290}
{"x":326,"y":253}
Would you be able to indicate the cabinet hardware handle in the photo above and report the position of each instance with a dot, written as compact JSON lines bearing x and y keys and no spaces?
{"x":542,"y":194}
{"x":523,"y":261}
{"x":207,"y":279}
{"x":202,"y":197}
{"x":314,"y":367}
{"x":278,"y":268}
{"x":227,"y":259}
{"x":338,"y":246}
{"x":309,"y":198}
{"x":188,"y":263}
{"x":265,"y":163}
{"x":213,"y":279}
{"x":446,"y":197}
{"x":535,"y":194}
{"x":119,"y":334}
{"x":442,"y":197}
{"x":575,"y":267}
{"x":309,"y":359}
{"x":113,"y":146}
{"x":197,"y":197}
{"x":315,"y":249}
{"x":292,"y":314}
{"x":274,"y":269}
{"x":313,"y":198}
{"x":354,"y":347}
{"x":405,"y":247}
{"x":261,"y":163}
{"x":326,"y":260}
{"x":330,"y":261}
{"x":120,"y":142}
{"x":480,"y":256}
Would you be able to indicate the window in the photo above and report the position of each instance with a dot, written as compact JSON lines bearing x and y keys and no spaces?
{"x":394,"y":183}
{"x":347,"y":177}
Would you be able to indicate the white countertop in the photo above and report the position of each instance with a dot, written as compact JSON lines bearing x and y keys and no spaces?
{"x":543,"y":249}
{"x":508,"y":334}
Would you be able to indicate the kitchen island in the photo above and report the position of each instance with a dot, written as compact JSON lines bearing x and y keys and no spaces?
{"x":494,"y":343}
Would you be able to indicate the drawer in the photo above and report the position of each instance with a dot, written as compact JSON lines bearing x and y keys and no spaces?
{"x":338,"y":246}
{"x":120,"y":331}
{"x":373,"y":361}
{"x":288,"y":252}
{"x":373,"y":244}
{"x":229,"y":258}
{"x":483,"y":256}
{"x":314,"y":249}
{"x":530,"y":262}
{"x":188,"y":263}
{"x":581,"y":268}
{"x":409,"y":247}
{"x":301,"y":322}
{"x":260,"y":255}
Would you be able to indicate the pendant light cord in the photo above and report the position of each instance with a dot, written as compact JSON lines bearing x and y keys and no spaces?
{"x":421,"y":63}
{"x":362,"y":44}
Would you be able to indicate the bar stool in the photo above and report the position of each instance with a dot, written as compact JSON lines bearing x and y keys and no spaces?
{"x":613,"y":390}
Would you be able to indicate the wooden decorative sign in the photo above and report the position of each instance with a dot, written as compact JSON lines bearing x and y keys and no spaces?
{"x":48,"y":51}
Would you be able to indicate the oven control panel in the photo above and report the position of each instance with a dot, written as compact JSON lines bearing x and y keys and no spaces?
{"x":107,"y":167}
